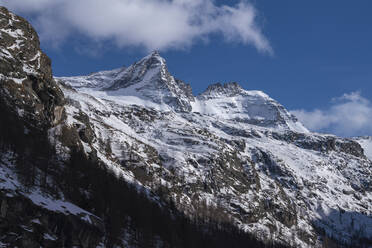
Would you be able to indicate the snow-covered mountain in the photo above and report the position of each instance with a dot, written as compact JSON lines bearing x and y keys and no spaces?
{"x":228,"y":157}
{"x":235,"y":149}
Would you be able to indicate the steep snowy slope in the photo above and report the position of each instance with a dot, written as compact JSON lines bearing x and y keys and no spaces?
{"x":239,"y":151}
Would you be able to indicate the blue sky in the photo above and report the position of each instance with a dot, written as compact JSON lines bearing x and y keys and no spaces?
{"x":314,"y":57}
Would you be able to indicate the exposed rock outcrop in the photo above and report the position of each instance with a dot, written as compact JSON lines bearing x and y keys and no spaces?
{"x":27,"y":86}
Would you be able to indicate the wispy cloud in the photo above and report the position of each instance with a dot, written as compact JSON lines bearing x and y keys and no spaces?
{"x":153,"y":24}
{"x":348,"y":115}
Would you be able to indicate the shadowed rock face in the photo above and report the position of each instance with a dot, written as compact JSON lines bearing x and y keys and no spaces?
{"x":26,"y":82}
{"x":18,"y":215}
{"x":31,"y":102}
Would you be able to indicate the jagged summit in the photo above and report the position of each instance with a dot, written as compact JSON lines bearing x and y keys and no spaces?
{"x":118,"y":78}
{"x":146,"y":82}
{"x":149,"y":69}
{"x":149,"y":79}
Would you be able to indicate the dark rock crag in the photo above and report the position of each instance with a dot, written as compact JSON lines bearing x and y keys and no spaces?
{"x":27,"y":84}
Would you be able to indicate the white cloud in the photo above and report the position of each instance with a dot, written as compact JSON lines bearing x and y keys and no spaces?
{"x":348,"y":115}
{"x":153,"y":24}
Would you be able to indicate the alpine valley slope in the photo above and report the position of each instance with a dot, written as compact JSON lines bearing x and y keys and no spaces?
{"x":237,"y":150}
{"x":229,"y":158}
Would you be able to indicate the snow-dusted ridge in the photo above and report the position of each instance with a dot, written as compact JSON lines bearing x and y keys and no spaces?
{"x":96,"y":80}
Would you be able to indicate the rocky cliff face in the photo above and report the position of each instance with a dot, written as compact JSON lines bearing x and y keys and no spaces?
{"x":26,"y":224}
{"x":133,"y":159}
{"x":32,"y":102}
{"x":27,"y":84}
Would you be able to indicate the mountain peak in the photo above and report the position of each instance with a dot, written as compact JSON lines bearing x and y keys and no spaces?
{"x":149,"y":69}
{"x":155,"y":53}
{"x":153,"y":60}
{"x":148,"y":80}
